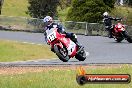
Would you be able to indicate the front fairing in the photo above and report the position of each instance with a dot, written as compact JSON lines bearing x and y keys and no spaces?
{"x":61,"y":41}
{"x":119,"y":27}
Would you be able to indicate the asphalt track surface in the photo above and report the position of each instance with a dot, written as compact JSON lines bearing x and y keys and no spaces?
{"x":100,"y":50}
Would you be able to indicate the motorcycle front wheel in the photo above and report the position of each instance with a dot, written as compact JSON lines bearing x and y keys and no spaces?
{"x":61,"y":53}
{"x":128,"y":38}
{"x":119,"y":39}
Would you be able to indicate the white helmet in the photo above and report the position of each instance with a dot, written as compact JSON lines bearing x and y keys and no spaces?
{"x":47,"y":19}
{"x":105,"y":14}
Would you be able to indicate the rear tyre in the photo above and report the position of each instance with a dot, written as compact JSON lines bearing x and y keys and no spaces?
{"x":61,"y":53}
{"x":118,"y":40}
{"x":81,"y":56}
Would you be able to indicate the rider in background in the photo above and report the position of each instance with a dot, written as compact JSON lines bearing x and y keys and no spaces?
{"x":50,"y":24}
{"x":108,"y":23}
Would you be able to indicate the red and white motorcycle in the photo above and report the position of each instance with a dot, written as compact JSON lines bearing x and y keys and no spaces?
{"x":119,"y":33}
{"x":64,"y":47}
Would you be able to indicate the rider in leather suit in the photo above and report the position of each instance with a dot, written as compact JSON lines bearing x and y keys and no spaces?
{"x":108,"y":23}
{"x":50,"y":24}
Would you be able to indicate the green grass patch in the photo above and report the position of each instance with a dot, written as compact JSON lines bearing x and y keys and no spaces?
{"x":20,"y":7}
{"x":14,"y":51}
{"x":61,"y":79}
{"x":15,"y":8}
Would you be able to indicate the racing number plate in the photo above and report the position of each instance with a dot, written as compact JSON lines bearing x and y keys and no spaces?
{"x":51,"y":36}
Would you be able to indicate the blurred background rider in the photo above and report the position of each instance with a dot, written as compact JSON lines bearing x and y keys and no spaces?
{"x":108,"y":23}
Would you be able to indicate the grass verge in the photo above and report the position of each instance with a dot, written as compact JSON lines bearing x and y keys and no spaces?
{"x":64,"y":77}
{"x":15,"y":8}
{"x":15,"y":51}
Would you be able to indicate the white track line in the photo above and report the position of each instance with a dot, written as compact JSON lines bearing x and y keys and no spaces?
{"x":27,"y":42}
{"x":31,"y":43}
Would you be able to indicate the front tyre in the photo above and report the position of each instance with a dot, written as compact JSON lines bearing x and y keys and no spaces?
{"x":81,"y":56}
{"x":128,"y":38}
{"x":118,"y":39}
{"x":61,"y":53}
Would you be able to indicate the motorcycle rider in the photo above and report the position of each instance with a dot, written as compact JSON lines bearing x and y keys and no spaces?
{"x":108,"y":23}
{"x":50,"y":24}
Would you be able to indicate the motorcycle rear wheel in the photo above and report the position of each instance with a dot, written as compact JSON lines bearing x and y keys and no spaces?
{"x":81,"y":56}
{"x":63,"y":57}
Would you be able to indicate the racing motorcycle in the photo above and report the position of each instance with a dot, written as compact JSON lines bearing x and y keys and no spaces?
{"x":119,"y":33}
{"x":64,"y":47}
